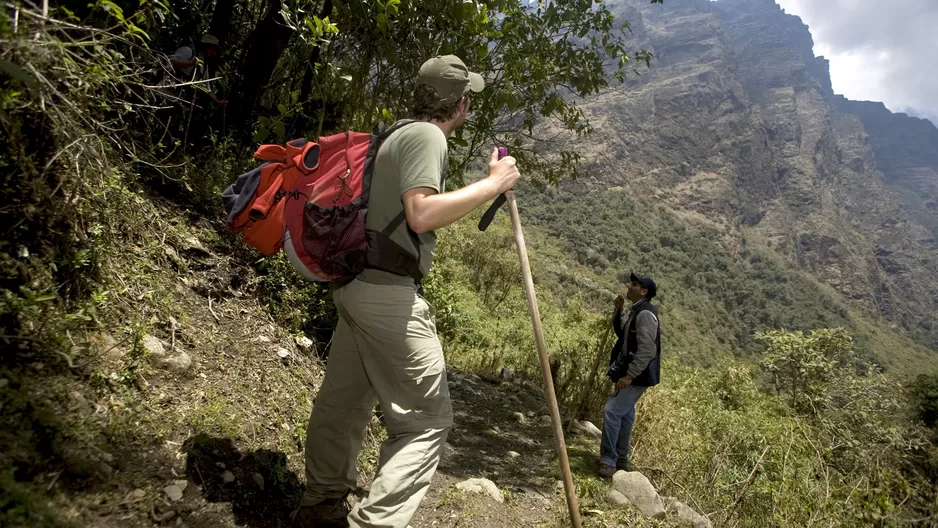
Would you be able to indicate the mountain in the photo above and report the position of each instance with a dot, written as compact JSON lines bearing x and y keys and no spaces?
{"x":735,"y":127}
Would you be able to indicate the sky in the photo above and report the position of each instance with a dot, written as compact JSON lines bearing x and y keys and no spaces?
{"x":879,"y":50}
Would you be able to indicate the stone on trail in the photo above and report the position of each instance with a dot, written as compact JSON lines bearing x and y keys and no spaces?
{"x":174,"y":490}
{"x":153,"y":346}
{"x":179,"y":362}
{"x":481,"y":485}
{"x":587,"y":428}
{"x":638,"y":489}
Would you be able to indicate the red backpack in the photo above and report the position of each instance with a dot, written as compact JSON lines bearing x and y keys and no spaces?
{"x":310,"y":198}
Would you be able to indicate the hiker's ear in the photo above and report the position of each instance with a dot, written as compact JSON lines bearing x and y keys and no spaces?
{"x":464,"y":102}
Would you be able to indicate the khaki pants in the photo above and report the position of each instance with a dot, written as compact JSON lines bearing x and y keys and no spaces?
{"x":384,"y":347}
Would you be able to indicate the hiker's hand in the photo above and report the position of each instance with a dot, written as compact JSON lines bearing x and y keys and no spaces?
{"x":620,"y":301}
{"x":503,"y":172}
{"x":623,"y":383}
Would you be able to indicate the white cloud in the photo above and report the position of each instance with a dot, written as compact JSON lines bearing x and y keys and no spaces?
{"x":879,"y":50}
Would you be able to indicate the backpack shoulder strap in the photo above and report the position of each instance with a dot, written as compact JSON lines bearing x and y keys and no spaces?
{"x":384,"y":133}
{"x":385,"y":254}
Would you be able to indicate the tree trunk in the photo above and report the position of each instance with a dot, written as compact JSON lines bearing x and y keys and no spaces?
{"x":264,"y":48}
{"x":221,"y":20}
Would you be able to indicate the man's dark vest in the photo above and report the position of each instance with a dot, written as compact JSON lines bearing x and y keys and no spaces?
{"x":652,"y":373}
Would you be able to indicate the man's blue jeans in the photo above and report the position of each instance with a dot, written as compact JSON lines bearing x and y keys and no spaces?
{"x":618,"y":418}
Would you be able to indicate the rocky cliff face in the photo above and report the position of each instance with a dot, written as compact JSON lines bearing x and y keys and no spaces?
{"x":906,"y":150}
{"x":736,"y":124}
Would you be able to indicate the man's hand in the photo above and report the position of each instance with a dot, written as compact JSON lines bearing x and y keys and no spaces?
{"x":623,"y":382}
{"x":503,"y":172}
{"x":620,"y":302}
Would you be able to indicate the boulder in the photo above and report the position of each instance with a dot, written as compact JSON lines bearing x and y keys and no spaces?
{"x":638,"y":489}
{"x":153,"y":346}
{"x":617,"y":498}
{"x":179,"y":362}
{"x":587,"y":427}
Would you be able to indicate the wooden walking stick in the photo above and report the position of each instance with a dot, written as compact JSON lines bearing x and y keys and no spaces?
{"x":600,"y":354}
{"x":509,"y":196}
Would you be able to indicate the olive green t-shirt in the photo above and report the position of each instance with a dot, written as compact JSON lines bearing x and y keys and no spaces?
{"x":411,"y":157}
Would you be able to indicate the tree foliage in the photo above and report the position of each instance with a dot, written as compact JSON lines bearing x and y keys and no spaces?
{"x":925,"y":394}
{"x":89,"y":98}
{"x":803,"y":366}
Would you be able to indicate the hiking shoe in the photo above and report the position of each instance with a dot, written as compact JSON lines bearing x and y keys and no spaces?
{"x":330,"y":513}
{"x":607,"y":471}
{"x":624,"y":466}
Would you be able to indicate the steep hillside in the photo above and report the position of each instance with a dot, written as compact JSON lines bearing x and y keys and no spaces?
{"x":736,"y":126}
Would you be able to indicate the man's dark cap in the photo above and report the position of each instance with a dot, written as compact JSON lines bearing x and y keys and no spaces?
{"x":646,"y":283}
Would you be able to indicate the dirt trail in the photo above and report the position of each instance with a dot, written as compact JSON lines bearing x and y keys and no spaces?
{"x":490,"y":440}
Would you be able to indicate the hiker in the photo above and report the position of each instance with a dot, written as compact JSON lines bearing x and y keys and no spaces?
{"x":385,"y":347}
{"x":634,"y":365}
{"x":197,"y":65}
{"x":191,"y":107}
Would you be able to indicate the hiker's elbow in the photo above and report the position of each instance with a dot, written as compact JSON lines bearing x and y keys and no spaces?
{"x":418,"y":210}
{"x":418,"y":225}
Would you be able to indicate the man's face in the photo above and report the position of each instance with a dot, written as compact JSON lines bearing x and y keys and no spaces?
{"x":635,"y":292}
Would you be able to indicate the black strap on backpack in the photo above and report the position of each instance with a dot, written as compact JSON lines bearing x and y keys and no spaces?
{"x":383,"y":253}
{"x":387,"y":255}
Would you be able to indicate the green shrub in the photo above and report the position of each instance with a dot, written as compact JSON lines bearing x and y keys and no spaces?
{"x":925,"y":394}
{"x":297,"y":304}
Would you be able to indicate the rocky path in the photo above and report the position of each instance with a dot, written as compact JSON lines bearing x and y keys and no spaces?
{"x":502,"y":435}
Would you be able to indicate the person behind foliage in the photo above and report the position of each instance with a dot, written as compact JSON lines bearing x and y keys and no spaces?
{"x":385,"y":347}
{"x":190,"y":113}
{"x":634,"y":365}
{"x":197,"y":66}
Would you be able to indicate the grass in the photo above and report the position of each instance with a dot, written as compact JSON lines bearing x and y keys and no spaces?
{"x":214,"y":417}
{"x":451,"y":498}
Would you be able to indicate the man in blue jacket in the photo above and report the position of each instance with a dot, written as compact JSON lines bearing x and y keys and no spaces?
{"x":634,"y":365}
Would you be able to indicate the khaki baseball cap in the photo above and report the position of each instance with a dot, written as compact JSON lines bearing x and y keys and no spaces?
{"x":209,"y":39}
{"x":450,"y":77}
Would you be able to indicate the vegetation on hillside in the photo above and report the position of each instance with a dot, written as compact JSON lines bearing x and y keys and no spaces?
{"x":801,"y":432}
{"x":731,"y":289}
{"x":109,"y":212}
